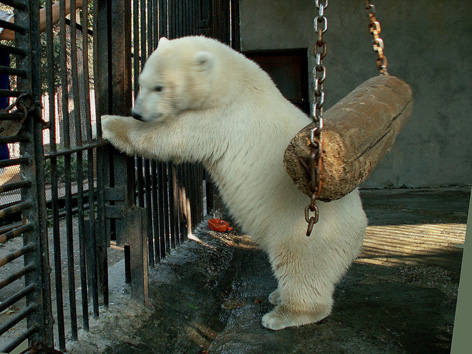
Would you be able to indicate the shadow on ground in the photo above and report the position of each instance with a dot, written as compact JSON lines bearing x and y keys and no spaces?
{"x":398,"y":297}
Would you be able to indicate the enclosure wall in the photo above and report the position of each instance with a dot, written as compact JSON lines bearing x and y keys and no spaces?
{"x":428,"y":44}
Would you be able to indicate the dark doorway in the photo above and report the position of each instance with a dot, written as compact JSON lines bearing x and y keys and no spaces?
{"x":289,"y":71}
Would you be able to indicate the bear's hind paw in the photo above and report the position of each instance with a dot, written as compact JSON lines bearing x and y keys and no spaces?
{"x":281,"y":318}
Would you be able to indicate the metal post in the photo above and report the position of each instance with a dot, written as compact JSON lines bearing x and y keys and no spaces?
{"x":115,"y":97}
{"x":137,"y":226}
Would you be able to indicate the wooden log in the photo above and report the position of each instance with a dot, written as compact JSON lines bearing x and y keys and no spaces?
{"x":358,"y":131}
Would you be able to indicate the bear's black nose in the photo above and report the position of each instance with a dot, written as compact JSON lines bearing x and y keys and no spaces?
{"x":136,"y":115}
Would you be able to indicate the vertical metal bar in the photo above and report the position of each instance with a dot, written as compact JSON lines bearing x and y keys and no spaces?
{"x":163,"y":18}
{"x":99,"y":249}
{"x":101,"y":65}
{"x":91,"y":231}
{"x":162,"y":211}
{"x":67,"y":166}
{"x":85,"y":82}
{"x":175,"y":204}
{"x":54,"y":178}
{"x":188,"y":201}
{"x":83,"y":88}
{"x":103,"y":239}
{"x":137,"y":57}
{"x":172,"y":17}
{"x":171,"y":210}
{"x":140,"y":180}
{"x":192,"y":10}
{"x":188,"y":198}
{"x":120,"y":43}
{"x":235,"y":26}
{"x":186,"y":19}
{"x":149,"y":27}
{"x":178,"y":18}
{"x":178,"y":192}
{"x":143,"y":28}
{"x":155,"y":210}
{"x":196,"y":15}
{"x":101,"y":60}
{"x":150,"y":240}
{"x":170,"y":21}
{"x":70,"y":246}
{"x":155,"y":23}
{"x":91,"y":254}
{"x":127,"y":264}
{"x":74,"y":76}
{"x":196,"y":186}
{"x":198,"y":192}
{"x":41,"y":320}
{"x":209,"y":193}
{"x":199,"y":187}
{"x":136,"y":46}
{"x":191,"y":192}
{"x":182,"y":201}
{"x":195,"y":194}
{"x":166,"y":207}
{"x":80,"y":178}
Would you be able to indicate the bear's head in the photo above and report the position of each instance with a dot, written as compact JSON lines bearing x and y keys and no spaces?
{"x":177,"y":77}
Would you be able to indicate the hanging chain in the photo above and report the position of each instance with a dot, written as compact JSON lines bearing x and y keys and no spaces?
{"x":377,"y":42}
{"x":319,"y":77}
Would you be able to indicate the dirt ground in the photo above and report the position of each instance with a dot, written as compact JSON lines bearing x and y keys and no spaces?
{"x":210,"y":294}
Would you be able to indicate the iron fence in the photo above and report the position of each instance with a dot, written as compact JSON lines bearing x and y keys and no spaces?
{"x":70,"y":195}
{"x":31,"y":228}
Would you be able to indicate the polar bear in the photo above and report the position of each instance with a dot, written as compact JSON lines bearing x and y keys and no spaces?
{"x":201,"y":101}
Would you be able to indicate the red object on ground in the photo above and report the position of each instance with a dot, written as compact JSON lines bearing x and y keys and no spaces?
{"x":219,"y":225}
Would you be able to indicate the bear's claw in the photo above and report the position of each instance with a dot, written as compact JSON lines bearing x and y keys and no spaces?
{"x":274,"y":297}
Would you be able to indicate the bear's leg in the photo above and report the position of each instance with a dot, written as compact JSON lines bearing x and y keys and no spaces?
{"x":306,"y":278}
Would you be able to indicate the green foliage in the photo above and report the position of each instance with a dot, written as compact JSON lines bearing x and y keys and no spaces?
{"x":52,"y":71}
{"x":61,"y":169}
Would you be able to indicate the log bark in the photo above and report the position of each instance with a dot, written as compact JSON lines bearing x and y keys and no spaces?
{"x":358,"y":131}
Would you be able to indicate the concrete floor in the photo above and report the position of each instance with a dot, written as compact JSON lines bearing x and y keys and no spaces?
{"x":398,"y":297}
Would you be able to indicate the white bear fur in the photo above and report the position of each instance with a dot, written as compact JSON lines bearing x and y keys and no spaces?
{"x":201,"y":101}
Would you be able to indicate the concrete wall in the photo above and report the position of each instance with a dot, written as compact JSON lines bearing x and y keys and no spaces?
{"x":428,"y":44}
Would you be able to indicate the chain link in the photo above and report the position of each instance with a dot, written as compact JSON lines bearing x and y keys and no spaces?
{"x":319,"y":77}
{"x":377,"y":42}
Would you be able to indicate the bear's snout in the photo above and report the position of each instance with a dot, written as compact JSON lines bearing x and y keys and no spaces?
{"x":136,"y":115}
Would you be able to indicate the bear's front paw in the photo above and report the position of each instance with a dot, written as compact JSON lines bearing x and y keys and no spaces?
{"x":115,"y":129}
{"x":282,"y":317}
{"x":107,"y":126}
{"x":274,"y":297}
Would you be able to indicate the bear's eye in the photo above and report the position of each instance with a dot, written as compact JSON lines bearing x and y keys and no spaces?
{"x":158,"y":88}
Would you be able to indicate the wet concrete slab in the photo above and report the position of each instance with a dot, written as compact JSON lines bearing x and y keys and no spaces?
{"x":398,"y":297}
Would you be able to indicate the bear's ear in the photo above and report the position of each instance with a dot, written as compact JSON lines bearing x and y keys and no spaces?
{"x":204,"y":61}
{"x":163,"y":40}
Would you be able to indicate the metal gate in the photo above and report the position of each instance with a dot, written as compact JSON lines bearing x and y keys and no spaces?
{"x":68,"y":196}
